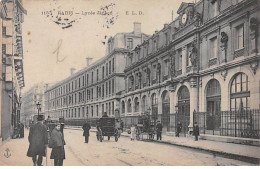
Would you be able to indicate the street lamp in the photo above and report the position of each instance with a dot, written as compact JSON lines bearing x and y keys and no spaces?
{"x":39,"y":108}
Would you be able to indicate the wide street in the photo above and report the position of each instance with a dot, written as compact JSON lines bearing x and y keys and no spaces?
{"x":122,"y":153}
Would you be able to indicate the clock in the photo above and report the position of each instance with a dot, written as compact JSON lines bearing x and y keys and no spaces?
{"x":184,"y":18}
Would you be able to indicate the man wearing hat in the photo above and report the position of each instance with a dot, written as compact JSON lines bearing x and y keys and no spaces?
{"x":159,"y":130}
{"x":38,"y":139}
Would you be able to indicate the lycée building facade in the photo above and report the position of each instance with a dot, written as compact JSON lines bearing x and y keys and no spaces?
{"x":88,"y":93}
{"x":202,"y":67}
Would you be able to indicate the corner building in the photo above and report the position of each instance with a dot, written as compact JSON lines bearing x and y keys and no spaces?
{"x":96,"y":89}
{"x":203,"y":67}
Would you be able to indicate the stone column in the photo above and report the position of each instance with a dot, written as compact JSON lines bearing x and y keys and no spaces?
{"x":184,"y":55}
{"x":193,"y":100}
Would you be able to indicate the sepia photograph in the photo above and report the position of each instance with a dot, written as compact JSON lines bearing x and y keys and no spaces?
{"x":130,"y":83}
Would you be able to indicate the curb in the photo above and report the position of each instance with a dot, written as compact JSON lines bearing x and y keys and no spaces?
{"x":244,"y":158}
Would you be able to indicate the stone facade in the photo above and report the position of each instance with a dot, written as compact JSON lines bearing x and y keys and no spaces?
{"x":11,"y":61}
{"x":96,"y":89}
{"x":204,"y":61}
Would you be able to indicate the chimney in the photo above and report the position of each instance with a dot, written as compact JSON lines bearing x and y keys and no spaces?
{"x":88,"y":59}
{"x":137,"y":28}
{"x":72,"y":71}
{"x":156,"y":31}
{"x":165,"y":25}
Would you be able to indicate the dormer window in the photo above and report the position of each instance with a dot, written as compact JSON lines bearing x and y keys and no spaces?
{"x":129,"y":43}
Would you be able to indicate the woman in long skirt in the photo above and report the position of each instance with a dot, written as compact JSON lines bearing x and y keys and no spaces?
{"x":57,"y":144}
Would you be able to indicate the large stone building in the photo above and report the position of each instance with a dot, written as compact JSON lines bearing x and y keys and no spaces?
{"x":11,"y":65}
{"x":29,"y":101}
{"x":205,"y":61}
{"x":96,"y":89}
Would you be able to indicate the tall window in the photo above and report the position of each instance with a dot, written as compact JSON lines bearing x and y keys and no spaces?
{"x":129,"y":106}
{"x":97,"y":110}
{"x":109,"y":87}
{"x":106,"y":89}
{"x":109,"y":67}
{"x":214,"y":7}
{"x":87,"y":79}
{"x":180,"y":60}
{"x":113,"y":86}
{"x":113,"y":111}
{"x":92,"y":111}
{"x":92,"y":77}
{"x":240,"y":37}
{"x":123,"y":107}
{"x":129,"y":43}
{"x":144,"y":104}
{"x":136,"y":105}
{"x":106,"y":68}
{"x":78,"y":112}
{"x":240,"y":94}
{"x":97,"y":75}
{"x":97,"y":91}
{"x":213,"y":47}
{"x":166,"y":67}
{"x":103,"y":72}
{"x":113,"y":64}
{"x":109,"y":108}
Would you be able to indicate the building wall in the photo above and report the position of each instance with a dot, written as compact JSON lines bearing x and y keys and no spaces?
{"x":197,"y":52}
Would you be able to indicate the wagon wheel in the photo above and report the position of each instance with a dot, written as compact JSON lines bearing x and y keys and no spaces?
{"x":97,"y":136}
{"x":116,"y":138}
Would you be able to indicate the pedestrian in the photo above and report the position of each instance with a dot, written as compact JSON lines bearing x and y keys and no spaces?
{"x":133,"y":130}
{"x":57,"y":143}
{"x":38,"y":139}
{"x":117,"y":127}
{"x":21,"y":130}
{"x":196,"y":131}
{"x":159,"y":130}
{"x":179,"y":127}
{"x":86,"y":127}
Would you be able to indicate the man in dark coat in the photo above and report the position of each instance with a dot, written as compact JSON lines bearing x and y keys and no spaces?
{"x":38,"y":139}
{"x":159,"y":130}
{"x":21,"y":130}
{"x":196,"y":131}
{"x":86,"y":127}
{"x":179,"y":127}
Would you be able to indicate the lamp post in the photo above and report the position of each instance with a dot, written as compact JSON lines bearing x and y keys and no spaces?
{"x":38,"y":108}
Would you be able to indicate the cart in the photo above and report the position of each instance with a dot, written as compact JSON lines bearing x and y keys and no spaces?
{"x":145,"y":127}
{"x":106,"y":127}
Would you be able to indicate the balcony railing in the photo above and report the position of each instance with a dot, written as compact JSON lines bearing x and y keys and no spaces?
{"x":179,"y":72}
{"x":239,"y":52}
{"x":213,"y":61}
{"x":165,"y":77}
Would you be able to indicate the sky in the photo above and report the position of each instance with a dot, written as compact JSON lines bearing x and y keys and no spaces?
{"x":60,"y":34}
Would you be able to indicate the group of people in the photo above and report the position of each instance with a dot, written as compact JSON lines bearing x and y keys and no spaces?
{"x":39,"y":139}
{"x":196,"y":131}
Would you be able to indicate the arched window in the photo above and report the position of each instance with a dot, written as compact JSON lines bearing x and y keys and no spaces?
{"x":183,"y":94}
{"x":136,"y":105}
{"x":213,"y":88}
{"x":240,"y":94}
{"x":154,"y":99}
{"x":144,"y":104}
{"x":129,"y":106}
{"x":123,"y":107}
{"x":165,"y":97}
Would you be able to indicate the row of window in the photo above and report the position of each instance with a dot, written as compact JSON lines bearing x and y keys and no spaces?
{"x":81,"y":81}
{"x":85,"y":112}
{"x":102,"y":91}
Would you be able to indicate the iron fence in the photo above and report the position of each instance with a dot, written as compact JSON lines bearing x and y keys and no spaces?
{"x":245,"y":123}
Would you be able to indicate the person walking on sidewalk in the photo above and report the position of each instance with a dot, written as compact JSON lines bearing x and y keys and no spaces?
{"x":133,"y":130}
{"x":86,"y":127}
{"x":57,"y":143}
{"x":179,"y":127}
{"x":38,"y":139}
{"x":196,"y":131}
{"x":159,"y":130}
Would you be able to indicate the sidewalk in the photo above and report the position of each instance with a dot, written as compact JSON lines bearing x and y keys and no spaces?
{"x":235,"y":151}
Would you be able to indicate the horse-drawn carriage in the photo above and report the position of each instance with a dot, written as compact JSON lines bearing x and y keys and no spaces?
{"x":145,"y":126}
{"x":106,"y":127}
